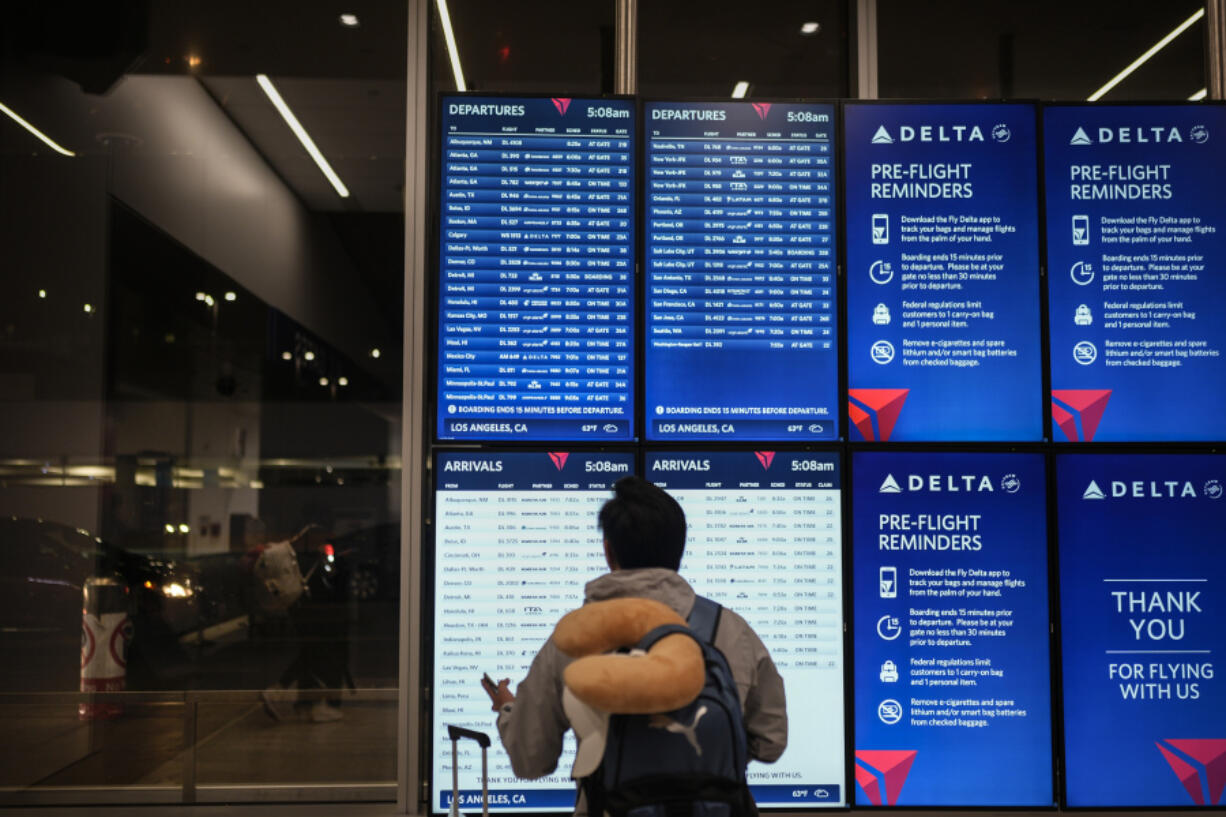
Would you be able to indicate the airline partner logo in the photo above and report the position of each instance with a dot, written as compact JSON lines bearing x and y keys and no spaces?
{"x":763,"y":108}
{"x":881,"y":773}
{"x":940,"y":133}
{"x":559,"y":458}
{"x":874,"y":412}
{"x":1200,"y":765}
{"x":949,"y":484}
{"x":1140,"y":135}
{"x":1150,"y":489}
{"x":1077,"y":412}
{"x":561,"y":104}
{"x":765,"y":458}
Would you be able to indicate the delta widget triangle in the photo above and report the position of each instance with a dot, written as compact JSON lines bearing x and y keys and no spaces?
{"x":892,"y":764}
{"x":1080,"y":138}
{"x":1093,"y":491}
{"x":1211,"y":752}
{"x":1187,"y":775}
{"x":890,"y":486}
{"x":882,"y":136}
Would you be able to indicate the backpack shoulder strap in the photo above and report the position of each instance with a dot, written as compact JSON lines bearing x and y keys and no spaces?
{"x":704,"y":618}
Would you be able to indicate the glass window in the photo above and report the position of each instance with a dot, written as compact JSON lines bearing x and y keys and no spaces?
{"x":795,"y":48}
{"x":200,"y":358}
{"x":545,"y":47}
{"x":1047,"y":49}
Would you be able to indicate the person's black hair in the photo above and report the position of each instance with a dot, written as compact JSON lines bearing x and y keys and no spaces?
{"x":644,"y":526}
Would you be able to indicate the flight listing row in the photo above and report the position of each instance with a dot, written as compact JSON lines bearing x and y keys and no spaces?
{"x":982,"y":272}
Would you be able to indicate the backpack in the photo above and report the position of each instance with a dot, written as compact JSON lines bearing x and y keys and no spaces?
{"x":686,"y":763}
{"x":278,"y":579}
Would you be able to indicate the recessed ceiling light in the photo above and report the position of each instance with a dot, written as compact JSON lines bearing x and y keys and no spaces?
{"x":309,"y":356}
{"x":231,"y":296}
{"x":350,"y":20}
{"x":342,"y":381}
{"x":323,"y":381}
{"x":375,"y":353}
{"x":810,"y":27}
{"x":287,"y":355}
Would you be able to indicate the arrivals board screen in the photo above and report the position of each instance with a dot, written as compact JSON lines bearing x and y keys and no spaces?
{"x":1142,"y":589}
{"x":515,"y":542}
{"x":740,"y":233}
{"x":764,"y":540}
{"x":536,"y":269}
{"x":942,"y":220}
{"x":1136,"y":246}
{"x":952,"y":677}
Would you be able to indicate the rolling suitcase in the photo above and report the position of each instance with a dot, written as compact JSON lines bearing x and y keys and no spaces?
{"x":483,"y":740}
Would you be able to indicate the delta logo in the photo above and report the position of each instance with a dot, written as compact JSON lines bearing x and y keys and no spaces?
{"x":946,"y":483}
{"x":881,"y":773}
{"x":1200,"y":765}
{"x":939,"y":133}
{"x":559,"y":458}
{"x":1077,"y":412}
{"x":1137,"y":135}
{"x":1148,"y":489}
{"x":873,"y":412}
{"x":762,"y":108}
{"x":561,"y":104}
{"x":765,"y":458}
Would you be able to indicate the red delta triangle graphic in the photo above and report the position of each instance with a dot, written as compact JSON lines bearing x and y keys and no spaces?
{"x":559,"y":458}
{"x":765,"y":457}
{"x":893,"y":764}
{"x":763,"y":108}
{"x":885,"y":403}
{"x":1210,"y":753}
{"x":561,"y":104}
{"x":1088,"y":403}
{"x":868,"y":782}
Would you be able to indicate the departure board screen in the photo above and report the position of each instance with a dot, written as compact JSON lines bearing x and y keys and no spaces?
{"x":952,"y":636}
{"x":1136,"y":245}
{"x":943,"y":337}
{"x":536,"y":269}
{"x":1142,"y":581}
{"x":515,"y":542}
{"x":740,"y":262}
{"x":764,"y":539}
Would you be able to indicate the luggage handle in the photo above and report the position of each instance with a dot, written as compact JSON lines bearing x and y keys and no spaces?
{"x":483,"y":740}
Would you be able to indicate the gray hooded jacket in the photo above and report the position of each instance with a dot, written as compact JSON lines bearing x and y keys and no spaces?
{"x":533,"y":726}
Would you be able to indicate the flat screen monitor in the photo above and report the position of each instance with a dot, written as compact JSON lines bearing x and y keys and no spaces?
{"x":741,"y":315}
{"x":1142,"y":576}
{"x":515,"y":541}
{"x":765,"y":540}
{"x":952,"y":644}
{"x":1136,"y":245}
{"x":536,"y":269}
{"x":942,"y":222}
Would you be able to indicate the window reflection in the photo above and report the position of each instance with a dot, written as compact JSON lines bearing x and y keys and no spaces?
{"x":970,"y":49}
{"x":188,"y":318}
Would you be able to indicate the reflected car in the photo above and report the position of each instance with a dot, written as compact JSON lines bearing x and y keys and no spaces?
{"x":46,"y":565}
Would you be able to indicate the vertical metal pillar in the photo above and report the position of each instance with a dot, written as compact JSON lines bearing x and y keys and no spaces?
{"x":626,"y":47}
{"x":1215,"y":48}
{"x":409,"y":791}
{"x":866,"y":49}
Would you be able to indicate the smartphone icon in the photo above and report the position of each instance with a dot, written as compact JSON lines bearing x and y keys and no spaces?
{"x":887,"y":577}
{"x":1081,"y":230}
{"x":881,"y":228}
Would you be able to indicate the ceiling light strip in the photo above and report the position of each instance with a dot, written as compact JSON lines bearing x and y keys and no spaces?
{"x":1199,"y":95}
{"x":1141,"y":60}
{"x":46,"y":140}
{"x":740,"y":89}
{"x":449,"y":35}
{"x":303,"y":136}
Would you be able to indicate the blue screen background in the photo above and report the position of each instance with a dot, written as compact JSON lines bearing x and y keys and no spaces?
{"x":997,"y":399}
{"x":1008,"y":762}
